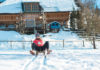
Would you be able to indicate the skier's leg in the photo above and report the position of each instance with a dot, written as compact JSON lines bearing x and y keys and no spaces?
{"x":37,"y":53}
{"x":46,"y":45}
{"x":33,"y":46}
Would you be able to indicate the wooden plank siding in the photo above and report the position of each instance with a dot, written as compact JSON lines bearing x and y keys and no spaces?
{"x":9,"y":21}
{"x":9,"y":17}
{"x":61,"y":17}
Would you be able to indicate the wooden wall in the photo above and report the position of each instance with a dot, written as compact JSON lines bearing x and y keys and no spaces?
{"x":7,"y":20}
{"x":61,"y":17}
{"x":9,"y":17}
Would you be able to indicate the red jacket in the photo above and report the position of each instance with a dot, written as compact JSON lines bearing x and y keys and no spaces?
{"x":39,"y":42}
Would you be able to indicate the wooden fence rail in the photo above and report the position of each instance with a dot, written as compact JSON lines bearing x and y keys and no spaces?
{"x":63,"y":42}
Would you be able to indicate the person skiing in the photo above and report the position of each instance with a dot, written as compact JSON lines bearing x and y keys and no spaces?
{"x":39,"y":46}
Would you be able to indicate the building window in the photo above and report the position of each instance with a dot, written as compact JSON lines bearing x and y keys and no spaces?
{"x":2,"y":26}
{"x":29,"y":23}
{"x":31,"y":7}
{"x":27,"y":7}
{"x":11,"y":26}
{"x":35,"y":8}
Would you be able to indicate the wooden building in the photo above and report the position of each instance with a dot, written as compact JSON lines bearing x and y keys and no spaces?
{"x":28,"y":15}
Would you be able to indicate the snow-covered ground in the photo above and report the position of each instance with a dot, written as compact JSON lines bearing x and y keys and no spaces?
{"x":73,"y":56}
{"x":57,"y":60}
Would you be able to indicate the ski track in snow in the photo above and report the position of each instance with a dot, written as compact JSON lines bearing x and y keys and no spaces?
{"x":57,"y":60}
{"x":27,"y":64}
{"x":30,"y":65}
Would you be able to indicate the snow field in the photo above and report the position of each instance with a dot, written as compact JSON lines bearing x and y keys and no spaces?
{"x":57,"y":60}
{"x":73,"y":56}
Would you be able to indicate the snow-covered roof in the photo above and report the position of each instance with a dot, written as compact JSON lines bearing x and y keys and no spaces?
{"x":14,"y":6}
{"x":57,"y":5}
{"x":11,"y":6}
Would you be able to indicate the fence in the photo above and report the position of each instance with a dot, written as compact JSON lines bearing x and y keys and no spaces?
{"x":56,"y":44}
{"x":14,"y":44}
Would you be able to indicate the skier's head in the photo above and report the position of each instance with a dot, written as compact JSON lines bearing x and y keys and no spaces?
{"x":37,"y":35}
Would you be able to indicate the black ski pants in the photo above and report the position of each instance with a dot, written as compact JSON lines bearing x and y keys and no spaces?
{"x":42,"y":48}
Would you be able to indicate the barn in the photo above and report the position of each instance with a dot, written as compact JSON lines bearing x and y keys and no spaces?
{"x":30,"y":16}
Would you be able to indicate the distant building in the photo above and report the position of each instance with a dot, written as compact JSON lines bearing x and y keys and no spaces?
{"x":27,"y":15}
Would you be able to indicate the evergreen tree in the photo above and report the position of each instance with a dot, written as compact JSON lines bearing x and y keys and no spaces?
{"x":72,"y":19}
{"x":76,"y":20}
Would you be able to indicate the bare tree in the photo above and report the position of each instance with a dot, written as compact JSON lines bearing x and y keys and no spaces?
{"x":91,"y":19}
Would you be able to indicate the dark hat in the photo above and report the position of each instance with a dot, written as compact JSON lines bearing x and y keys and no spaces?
{"x":37,"y":35}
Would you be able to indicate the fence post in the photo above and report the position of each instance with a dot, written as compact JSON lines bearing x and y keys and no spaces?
{"x":31,"y":43}
{"x":23,"y":45}
{"x":63,"y":43}
{"x":94,"y":46}
{"x":83,"y":44}
{"x":11,"y":44}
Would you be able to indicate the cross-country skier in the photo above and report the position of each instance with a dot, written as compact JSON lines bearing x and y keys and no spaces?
{"x":39,"y":46}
